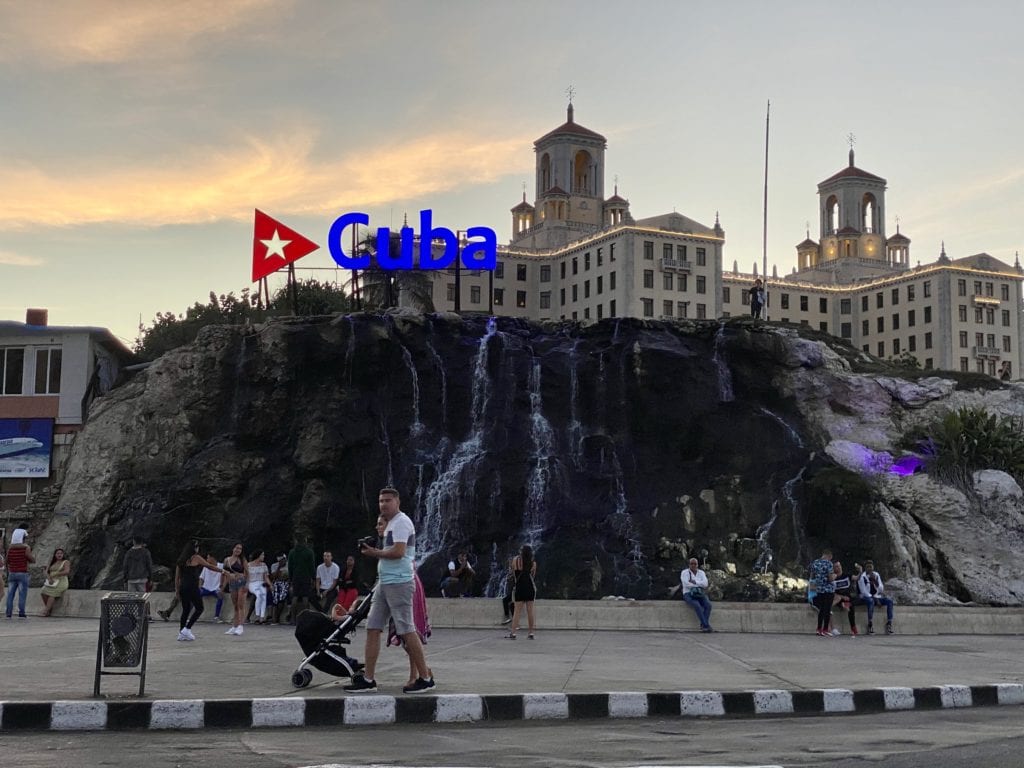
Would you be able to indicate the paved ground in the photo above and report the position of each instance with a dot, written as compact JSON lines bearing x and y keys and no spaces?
{"x":54,"y":659}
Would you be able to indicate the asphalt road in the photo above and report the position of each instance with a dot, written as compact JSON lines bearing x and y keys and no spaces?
{"x":980,"y":738}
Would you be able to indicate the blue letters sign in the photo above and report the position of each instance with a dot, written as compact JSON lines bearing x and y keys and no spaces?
{"x":481,"y":254}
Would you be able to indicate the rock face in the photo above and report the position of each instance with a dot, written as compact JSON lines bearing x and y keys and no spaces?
{"x":618,"y":450}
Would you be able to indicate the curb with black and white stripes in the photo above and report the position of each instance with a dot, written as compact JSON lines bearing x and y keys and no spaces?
{"x":459,"y":708}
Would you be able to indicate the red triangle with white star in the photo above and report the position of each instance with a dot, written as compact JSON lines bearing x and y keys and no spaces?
{"x":274,"y":246}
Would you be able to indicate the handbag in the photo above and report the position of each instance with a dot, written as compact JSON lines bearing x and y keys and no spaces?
{"x":696,"y":592}
{"x":51,"y":583}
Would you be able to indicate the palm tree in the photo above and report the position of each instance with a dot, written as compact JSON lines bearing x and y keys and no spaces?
{"x":384,"y":288}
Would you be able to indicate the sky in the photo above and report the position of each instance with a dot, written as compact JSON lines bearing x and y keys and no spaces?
{"x":136,"y":137}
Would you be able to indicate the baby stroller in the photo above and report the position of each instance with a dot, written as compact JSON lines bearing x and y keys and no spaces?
{"x":323,"y":642}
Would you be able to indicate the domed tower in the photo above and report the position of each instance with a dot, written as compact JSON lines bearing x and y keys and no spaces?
{"x":852,"y":209}
{"x":522,"y":217}
{"x":616,"y":210}
{"x":897,"y":248}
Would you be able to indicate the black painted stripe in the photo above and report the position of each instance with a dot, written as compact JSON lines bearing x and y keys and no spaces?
{"x":663,"y":705}
{"x":126,"y":715}
{"x":415,"y":709}
{"x":503,"y":707}
{"x":869,"y":700}
{"x":227,"y":713}
{"x":26,"y":715}
{"x":588,"y":705}
{"x":738,"y":702}
{"x":325,"y":711}
{"x":927,"y":698}
{"x":984,"y":695}
{"x":808,"y":702}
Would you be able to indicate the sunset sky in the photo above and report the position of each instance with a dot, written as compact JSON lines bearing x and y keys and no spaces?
{"x":137,"y":137}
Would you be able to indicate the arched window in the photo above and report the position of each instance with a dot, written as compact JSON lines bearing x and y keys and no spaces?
{"x":869,"y":221}
{"x":581,"y":176}
{"x":545,"y":173}
{"x":832,"y":215}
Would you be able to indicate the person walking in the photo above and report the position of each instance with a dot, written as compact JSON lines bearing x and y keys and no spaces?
{"x":302,"y":567}
{"x":259,"y":585}
{"x":138,"y":567}
{"x":822,"y":581}
{"x":19,"y":555}
{"x":56,"y":583}
{"x":524,"y":572}
{"x":237,"y":571}
{"x":188,"y":568}
{"x":394,"y":596}
{"x":694,"y":583}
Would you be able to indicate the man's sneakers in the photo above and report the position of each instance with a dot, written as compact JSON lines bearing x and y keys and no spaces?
{"x":419,"y":686}
{"x":186,"y":634}
{"x":871,"y":629}
{"x":360,"y":684}
{"x":235,"y":630}
{"x":888,"y":628}
{"x":823,"y":633}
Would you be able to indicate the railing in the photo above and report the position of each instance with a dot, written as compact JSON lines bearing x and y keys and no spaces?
{"x":986,"y":351}
{"x":676,"y":265}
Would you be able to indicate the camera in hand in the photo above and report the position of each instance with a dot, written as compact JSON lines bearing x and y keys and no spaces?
{"x":366,"y":542}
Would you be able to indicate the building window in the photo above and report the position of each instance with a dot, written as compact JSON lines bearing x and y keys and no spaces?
{"x":666,"y":308}
{"x":1004,"y":292}
{"x":928,"y":340}
{"x":910,"y":292}
{"x":979,"y":315}
{"x":682,"y":308}
{"x":12,"y":368}
{"x":865,"y":328}
{"x":989,"y":289}
{"x":575,"y":265}
{"x":701,"y":257}
{"x":600,"y":261}
{"x":912,"y":344}
{"x":990,"y":315}
{"x":979,"y":366}
{"x":961,"y":287}
{"x":600,"y":307}
{"x":803,"y":303}
{"x":648,"y":250}
{"x":979,"y":339}
{"x":846,"y":330}
{"x":451,"y":291}
{"x":667,"y":282}
{"x":681,"y":284}
{"x":911,"y":319}
{"x":927,"y":315}
{"x":927,"y":288}
{"x":879,"y":299}
{"x":881,"y":349}
{"x":586,"y":261}
{"x":586,"y":289}
{"x":701,"y":284}
{"x":895,"y":296}
{"x":48,"y":371}
{"x":611,"y":304}
{"x":895,"y":321}
{"x":977,"y":287}
{"x":611,"y":257}
{"x":964,"y":364}
{"x":586,"y":313}
{"x":881,"y":326}
{"x":963,"y":339}
{"x":867,"y":348}
{"x":666,"y":251}
{"x":499,"y":297}
{"x":561,"y":296}
{"x":499,"y":270}
{"x":726,"y":295}
{"x":474,"y":294}
{"x":611,"y":282}
{"x":1005,"y":315}
{"x":545,"y":300}
{"x":648,"y":305}
{"x":648,"y":278}
{"x":962,"y":313}
{"x":895,"y":346}
{"x":785,"y":301}
{"x":521,"y":272}
{"x":521,"y":299}
{"x":823,"y":326}
{"x":575,"y":293}
{"x":681,"y":253}
{"x":545,"y":273}
{"x":991,"y":367}
{"x":1006,"y":344}
{"x":929,"y":363}
{"x":845,"y":307}
{"x":600,"y":285}
{"x":991,"y":338}
{"x":823,"y":305}
{"x":863,"y":303}
{"x":561,"y":270}
{"x":702,"y":310}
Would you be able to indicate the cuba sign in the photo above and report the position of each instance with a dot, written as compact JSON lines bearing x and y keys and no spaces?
{"x":477,"y":254}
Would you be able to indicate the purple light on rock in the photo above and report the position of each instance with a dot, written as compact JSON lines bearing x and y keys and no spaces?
{"x":907,"y":465}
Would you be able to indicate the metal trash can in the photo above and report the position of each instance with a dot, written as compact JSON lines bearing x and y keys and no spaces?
{"x":124,"y":636}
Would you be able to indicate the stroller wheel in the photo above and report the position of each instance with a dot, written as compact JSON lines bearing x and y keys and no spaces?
{"x":307,"y":677}
{"x":299,"y":679}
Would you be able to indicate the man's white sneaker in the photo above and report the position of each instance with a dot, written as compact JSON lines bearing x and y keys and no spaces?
{"x":836,"y":632}
{"x":188,"y":634}
{"x":182,"y":635}
{"x":239,"y":629}
{"x":231,"y":631}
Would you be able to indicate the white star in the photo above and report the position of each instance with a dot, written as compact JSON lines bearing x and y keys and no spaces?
{"x":275,"y":246}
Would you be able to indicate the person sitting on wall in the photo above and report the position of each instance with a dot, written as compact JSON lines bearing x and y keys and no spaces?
{"x":459,"y":581}
{"x":872,"y":590}
{"x":694,"y":588}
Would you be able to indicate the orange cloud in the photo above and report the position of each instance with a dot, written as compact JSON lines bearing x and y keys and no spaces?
{"x":280,"y":174}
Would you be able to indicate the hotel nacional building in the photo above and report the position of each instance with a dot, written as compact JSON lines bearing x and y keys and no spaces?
{"x":577,"y":254}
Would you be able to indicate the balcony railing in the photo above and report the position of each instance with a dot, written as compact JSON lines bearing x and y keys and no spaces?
{"x":986,"y":352}
{"x":675,"y":265}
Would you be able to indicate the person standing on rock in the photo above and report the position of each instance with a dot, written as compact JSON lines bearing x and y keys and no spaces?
{"x":394,"y":596}
{"x":756,"y":299}
{"x":872,"y":590}
{"x":694,"y":588}
{"x":822,"y":581}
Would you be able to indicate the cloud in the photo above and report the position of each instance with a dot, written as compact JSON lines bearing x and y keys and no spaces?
{"x":109,"y":31}
{"x":280,"y":174}
{"x":9,"y":259}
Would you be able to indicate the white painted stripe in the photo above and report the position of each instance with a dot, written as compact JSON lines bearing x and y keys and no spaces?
{"x":1010,"y":693}
{"x":545,"y":706}
{"x":78,"y":715}
{"x":898,"y":698}
{"x":701,"y":704}
{"x":186,"y":713}
{"x":459,"y":708}
{"x":771,"y":702}
{"x":369,"y":710}
{"x":278,"y":712}
{"x":955,"y":696}
{"x":627,"y":705}
{"x":838,"y":700}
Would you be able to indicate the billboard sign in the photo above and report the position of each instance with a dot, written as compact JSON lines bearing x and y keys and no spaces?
{"x":25,"y":447}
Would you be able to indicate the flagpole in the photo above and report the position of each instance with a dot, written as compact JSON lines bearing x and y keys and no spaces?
{"x":764,"y":234}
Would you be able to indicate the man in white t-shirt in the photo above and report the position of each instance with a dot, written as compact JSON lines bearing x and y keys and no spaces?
{"x":327,"y":574}
{"x":694,"y":584}
{"x":210,"y":586}
{"x":394,"y":596}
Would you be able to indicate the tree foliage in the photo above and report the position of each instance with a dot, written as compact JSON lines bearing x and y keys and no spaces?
{"x":385,"y":288}
{"x":968,"y":439}
{"x":169,"y":330}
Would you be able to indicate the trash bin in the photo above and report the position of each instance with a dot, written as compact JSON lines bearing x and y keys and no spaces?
{"x":124,"y":636}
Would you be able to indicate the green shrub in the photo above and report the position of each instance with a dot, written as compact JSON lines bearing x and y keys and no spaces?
{"x":970,"y":439}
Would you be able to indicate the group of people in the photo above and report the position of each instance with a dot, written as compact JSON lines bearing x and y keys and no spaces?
{"x":828,"y":587}
{"x":14,"y":561}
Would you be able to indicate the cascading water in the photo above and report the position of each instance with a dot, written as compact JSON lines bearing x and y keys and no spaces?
{"x":544,"y":460}
{"x":725,"y":393}
{"x":765,"y":554}
{"x":499,"y":575}
{"x":444,"y":494}
{"x":792,"y":433}
{"x":417,"y":426}
{"x":575,"y":425}
{"x":444,"y":380}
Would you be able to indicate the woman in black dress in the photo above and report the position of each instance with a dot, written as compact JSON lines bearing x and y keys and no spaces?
{"x":524,"y":569}
{"x":187,"y":572}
